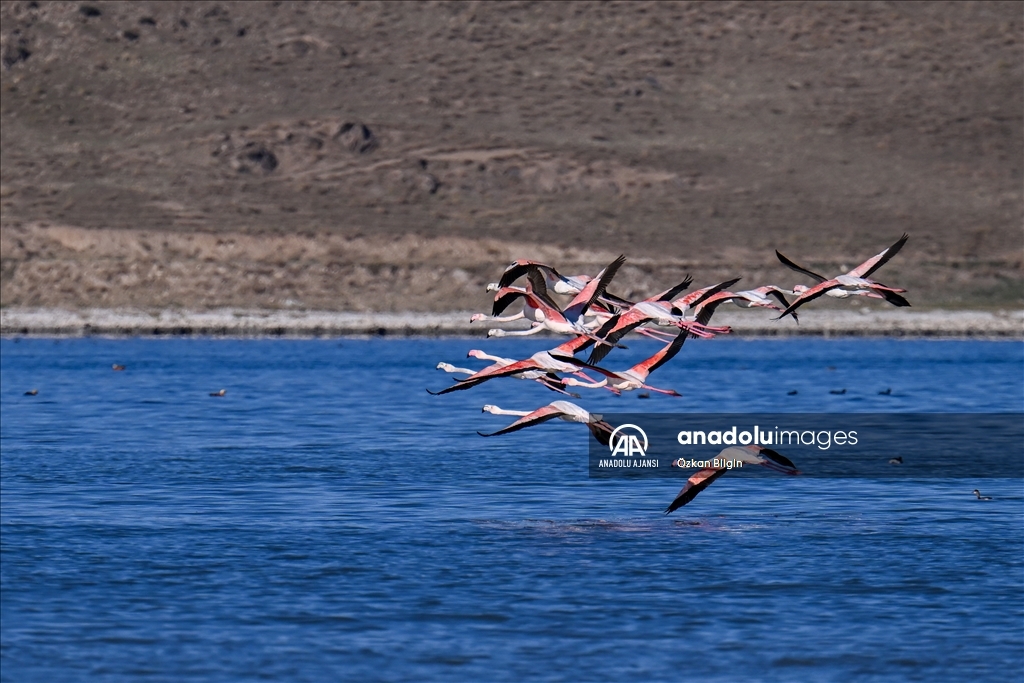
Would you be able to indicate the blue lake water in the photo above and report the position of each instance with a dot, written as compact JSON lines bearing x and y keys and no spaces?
{"x":329,"y":520}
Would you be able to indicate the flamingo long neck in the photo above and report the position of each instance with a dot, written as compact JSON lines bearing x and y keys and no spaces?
{"x":448,"y":367}
{"x":518,"y":413}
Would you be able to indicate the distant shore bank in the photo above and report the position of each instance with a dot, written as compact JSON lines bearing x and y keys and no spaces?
{"x":257,"y":323}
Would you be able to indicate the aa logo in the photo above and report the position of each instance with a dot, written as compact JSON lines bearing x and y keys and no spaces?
{"x":626,"y":443}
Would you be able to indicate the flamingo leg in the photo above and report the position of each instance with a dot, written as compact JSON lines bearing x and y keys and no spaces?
{"x":656,"y":334}
{"x":670,"y":392}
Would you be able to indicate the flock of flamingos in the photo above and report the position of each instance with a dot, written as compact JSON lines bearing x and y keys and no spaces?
{"x":597,"y":320}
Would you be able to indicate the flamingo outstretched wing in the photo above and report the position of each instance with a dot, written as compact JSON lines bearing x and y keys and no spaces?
{"x":810,"y":295}
{"x":538,"y":416}
{"x":875,"y":262}
{"x":503,"y":299}
{"x":521,"y":268}
{"x":663,"y":356}
{"x":486,"y":374}
{"x":595,"y":288}
{"x":778,"y":296}
{"x":800,"y":269}
{"x":601,"y":430}
{"x":670,"y":294}
{"x":694,"y":485}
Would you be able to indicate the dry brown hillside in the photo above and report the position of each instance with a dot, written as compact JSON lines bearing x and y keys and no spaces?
{"x":382,"y":156}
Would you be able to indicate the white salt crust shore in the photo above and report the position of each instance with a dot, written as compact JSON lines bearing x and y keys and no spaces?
{"x":256,"y":323}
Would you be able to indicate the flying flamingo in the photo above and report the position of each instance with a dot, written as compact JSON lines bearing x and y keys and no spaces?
{"x":748,"y":455}
{"x":534,"y":308}
{"x":499,"y":362}
{"x":570,"y":412}
{"x":544,"y":277}
{"x":662,"y":309}
{"x":556,"y":360}
{"x":839,"y":293}
{"x":529,"y":312}
{"x":636,"y":376}
{"x":536,"y":375}
{"x":853,"y":282}
{"x":751,"y":298}
{"x":568,"y":321}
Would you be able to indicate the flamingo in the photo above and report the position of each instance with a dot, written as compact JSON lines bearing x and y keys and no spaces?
{"x":751,"y":298}
{"x":499,"y":362}
{"x":543,"y":277}
{"x":839,"y":293}
{"x":748,"y":455}
{"x":550,"y":362}
{"x":502,"y":300}
{"x":568,"y":321}
{"x":636,"y":376}
{"x":534,"y":307}
{"x":854,"y":283}
{"x":662,"y":310}
{"x":570,"y":412}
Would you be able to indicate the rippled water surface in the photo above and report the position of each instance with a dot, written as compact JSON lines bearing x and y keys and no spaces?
{"x":329,"y":520}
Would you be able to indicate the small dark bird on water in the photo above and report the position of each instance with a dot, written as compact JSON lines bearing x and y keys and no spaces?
{"x":898,"y":460}
{"x":838,"y":392}
{"x":981,"y":497}
{"x":792,"y":393}
{"x":886,"y":392}
{"x":31,"y":392}
{"x":643,"y":395}
{"x":222,"y":392}
{"x":116,"y":367}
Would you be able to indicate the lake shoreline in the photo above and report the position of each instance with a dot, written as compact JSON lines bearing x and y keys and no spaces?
{"x":860,"y":322}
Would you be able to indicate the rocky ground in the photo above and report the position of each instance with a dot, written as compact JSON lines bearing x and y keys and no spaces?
{"x":366,"y":157}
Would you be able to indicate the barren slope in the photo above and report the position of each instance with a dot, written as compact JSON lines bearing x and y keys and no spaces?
{"x":395,"y":156}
